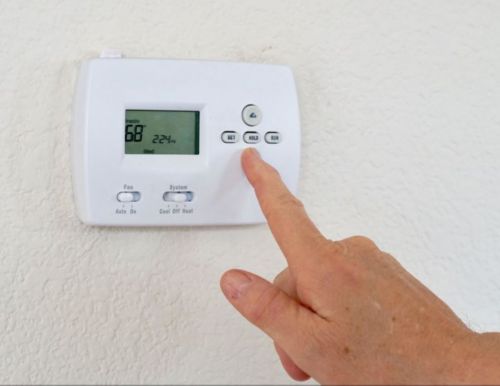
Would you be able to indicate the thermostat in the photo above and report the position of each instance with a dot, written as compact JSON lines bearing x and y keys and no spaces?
{"x":158,"y":142}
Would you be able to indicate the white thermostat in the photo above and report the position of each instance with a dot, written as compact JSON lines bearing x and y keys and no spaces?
{"x":158,"y":142}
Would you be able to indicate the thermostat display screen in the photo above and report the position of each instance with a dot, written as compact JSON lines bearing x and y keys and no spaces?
{"x":162,"y":132}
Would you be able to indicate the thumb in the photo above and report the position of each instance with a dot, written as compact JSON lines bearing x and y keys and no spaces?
{"x":286,"y":321}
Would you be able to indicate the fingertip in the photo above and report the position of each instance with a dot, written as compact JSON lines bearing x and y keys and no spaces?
{"x":299,"y":376}
{"x":248,"y":158}
{"x":251,"y":152}
{"x":224,"y":279}
{"x":234,"y":282}
{"x":229,"y":274}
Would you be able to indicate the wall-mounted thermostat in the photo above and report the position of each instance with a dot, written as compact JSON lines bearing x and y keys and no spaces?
{"x":158,"y":142}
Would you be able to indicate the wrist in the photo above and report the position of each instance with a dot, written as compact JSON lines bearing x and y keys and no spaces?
{"x":477,"y":359}
{"x":486,"y":366}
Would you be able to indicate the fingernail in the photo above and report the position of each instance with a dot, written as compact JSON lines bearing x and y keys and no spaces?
{"x":235,"y":284}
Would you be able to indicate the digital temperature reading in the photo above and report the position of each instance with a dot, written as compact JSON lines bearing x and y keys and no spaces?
{"x":162,"y":132}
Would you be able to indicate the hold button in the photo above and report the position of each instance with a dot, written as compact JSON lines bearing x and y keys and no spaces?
{"x":251,"y":137}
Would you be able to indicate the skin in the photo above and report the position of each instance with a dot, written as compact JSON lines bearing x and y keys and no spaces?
{"x":345,"y":312}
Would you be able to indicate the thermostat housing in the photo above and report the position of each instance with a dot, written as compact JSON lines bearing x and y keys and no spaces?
{"x":158,"y":142}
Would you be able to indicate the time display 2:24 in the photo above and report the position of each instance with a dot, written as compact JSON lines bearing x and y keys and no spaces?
{"x":134,"y":133}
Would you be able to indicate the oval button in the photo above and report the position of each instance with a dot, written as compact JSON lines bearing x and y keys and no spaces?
{"x":230,"y":137}
{"x":272,"y":137}
{"x":251,"y":137}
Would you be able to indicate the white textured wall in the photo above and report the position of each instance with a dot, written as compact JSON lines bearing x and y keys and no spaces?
{"x":400,"y":107}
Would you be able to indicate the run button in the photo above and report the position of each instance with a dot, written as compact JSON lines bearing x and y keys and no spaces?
{"x":272,"y":137}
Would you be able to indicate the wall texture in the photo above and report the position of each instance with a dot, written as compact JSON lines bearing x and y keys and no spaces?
{"x":401,"y":142}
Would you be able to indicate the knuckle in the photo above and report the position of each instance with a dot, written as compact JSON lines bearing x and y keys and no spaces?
{"x":335,"y":248}
{"x":361,"y":242}
{"x":342,"y":263}
{"x":287,"y":200}
{"x":272,"y":171}
{"x":284,"y":201}
{"x":263,"y":174}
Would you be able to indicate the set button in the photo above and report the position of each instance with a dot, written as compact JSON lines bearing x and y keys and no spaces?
{"x":251,"y":137}
{"x":230,"y":137}
{"x":128,"y":196}
{"x":252,"y":116}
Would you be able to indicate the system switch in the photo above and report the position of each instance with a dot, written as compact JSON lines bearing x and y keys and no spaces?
{"x":178,"y":196}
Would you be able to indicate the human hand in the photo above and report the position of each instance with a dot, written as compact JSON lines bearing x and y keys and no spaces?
{"x":346,"y":312}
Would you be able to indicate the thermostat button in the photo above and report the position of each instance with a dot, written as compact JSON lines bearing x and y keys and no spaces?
{"x":251,"y":115}
{"x":251,"y":137}
{"x":178,"y":196}
{"x":272,"y":137}
{"x":230,"y":137}
{"x":128,"y":196}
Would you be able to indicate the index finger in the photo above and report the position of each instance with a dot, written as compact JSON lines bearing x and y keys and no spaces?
{"x":292,"y":228}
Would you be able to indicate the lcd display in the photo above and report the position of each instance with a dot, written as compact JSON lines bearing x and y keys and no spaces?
{"x":162,"y":132}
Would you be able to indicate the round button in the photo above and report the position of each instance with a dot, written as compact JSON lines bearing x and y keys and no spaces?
{"x":251,"y":115}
